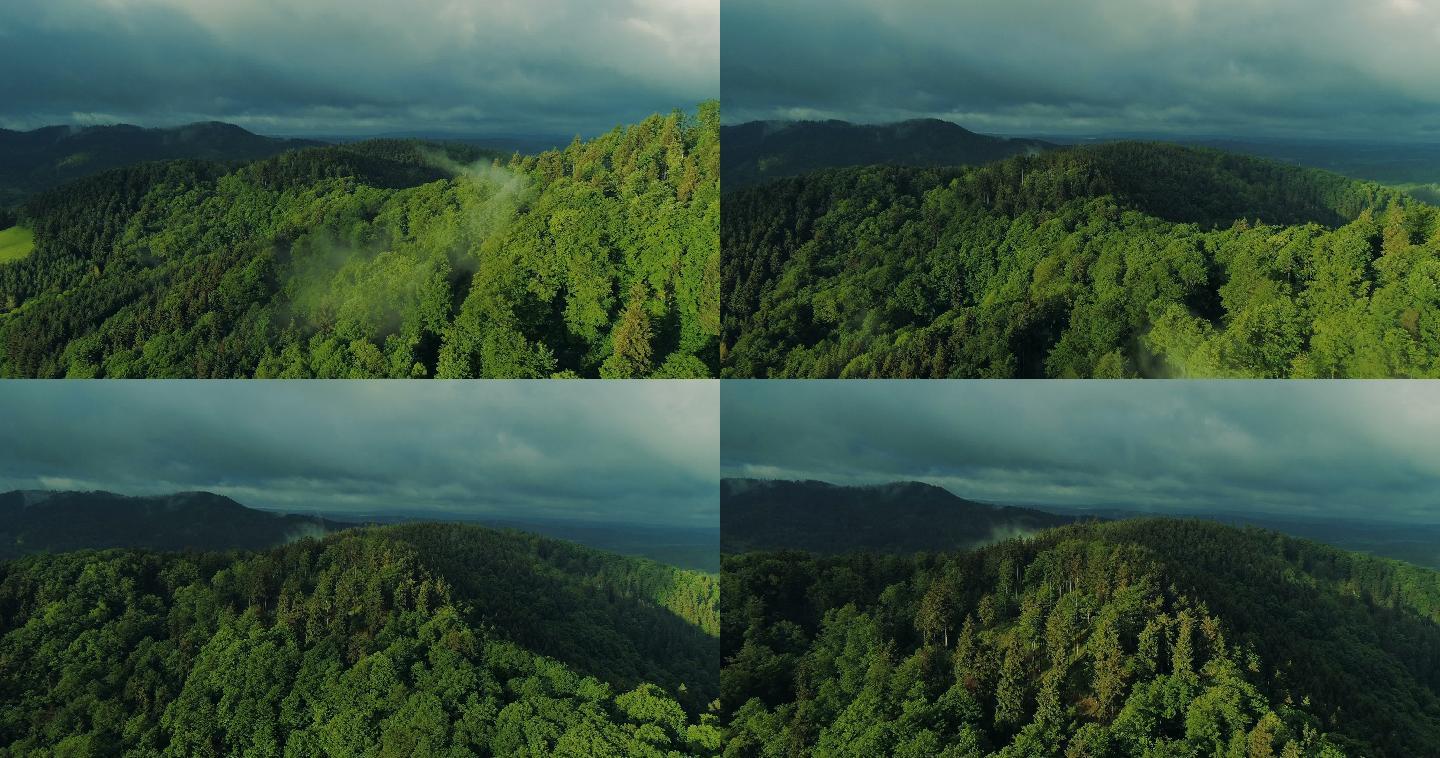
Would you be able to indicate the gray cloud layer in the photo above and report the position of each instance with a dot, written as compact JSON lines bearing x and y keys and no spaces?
{"x":357,"y":66}
{"x":611,"y":451}
{"x":1342,"y":449}
{"x":1327,"y":68}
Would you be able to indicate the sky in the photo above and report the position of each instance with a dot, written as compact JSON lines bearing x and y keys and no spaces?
{"x":1333,"y":450}
{"x":1348,"y":69}
{"x":614,"y":451}
{"x":347,"y":67}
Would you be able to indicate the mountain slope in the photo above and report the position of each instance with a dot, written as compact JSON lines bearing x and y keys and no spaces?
{"x":358,"y":644}
{"x":387,"y":258}
{"x":50,"y":156}
{"x":1130,"y":638}
{"x":1126,"y":259}
{"x":825,"y":518}
{"x":762,"y":150}
{"x":51,"y":522}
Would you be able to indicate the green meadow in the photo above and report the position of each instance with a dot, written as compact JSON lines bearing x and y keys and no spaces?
{"x":15,"y":243}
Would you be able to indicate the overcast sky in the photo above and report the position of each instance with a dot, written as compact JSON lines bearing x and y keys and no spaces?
{"x":357,"y":66}
{"x":1327,"y":449}
{"x":1318,"y":68}
{"x":605,"y":451}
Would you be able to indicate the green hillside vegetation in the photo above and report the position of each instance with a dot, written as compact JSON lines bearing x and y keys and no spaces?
{"x":1132,"y":638}
{"x":358,"y":644}
{"x":824,"y":518}
{"x":15,"y":243}
{"x":1123,"y":259}
{"x":386,"y":258}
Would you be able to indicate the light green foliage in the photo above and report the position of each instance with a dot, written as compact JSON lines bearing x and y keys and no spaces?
{"x":382,"y":259}
{"x":15,"y":243}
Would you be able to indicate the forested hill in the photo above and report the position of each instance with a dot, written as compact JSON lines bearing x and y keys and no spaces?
{"x":761,"y":150}
{"x":824,"y":518}
{"x":1130,"y":638}
{"x":1124,"y":259}
{"x":387,"y":258}
{"x":50,"y":156}
{"x":415,"y":640}
{"x":50,"y":522}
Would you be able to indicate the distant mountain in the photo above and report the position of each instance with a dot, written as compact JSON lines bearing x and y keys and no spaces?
{"x":761,"y":150}
{"x":52,"y":155}
{"x":53,"y":522}
{"x":819,"y":517}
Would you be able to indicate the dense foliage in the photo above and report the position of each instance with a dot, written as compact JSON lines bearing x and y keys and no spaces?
{"x":1112,"y":260}
{"x":359,"y":644}
{"x":758,"y":514}
{"x":52,"y":522}
{"x":761,"y":150}
{"x":1132,"y":638}
{"x":381,"y":259}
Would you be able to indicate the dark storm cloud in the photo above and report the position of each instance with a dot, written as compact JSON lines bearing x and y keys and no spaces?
{"x":613,"y":451}
{"x":356,"y":66}
{"x":1233,"y":67}
{"x":1365,"y":449}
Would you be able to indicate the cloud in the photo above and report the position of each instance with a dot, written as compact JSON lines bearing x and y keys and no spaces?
{"x":357,"y":66}
{"x":1221,"y":67}
{"x":605,"y":451}
{"x":1359,"y":449}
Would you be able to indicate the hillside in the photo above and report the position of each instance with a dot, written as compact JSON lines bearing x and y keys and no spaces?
{"x":386,"y":258}
{"x":1129,"y":638}
{"x":50,"y":522}
{"x":50,"y":156}
{"x":1123,"y":259}
{"x":759,"y":151}
{"x":415,"y":640}
{"x":825,"y":518}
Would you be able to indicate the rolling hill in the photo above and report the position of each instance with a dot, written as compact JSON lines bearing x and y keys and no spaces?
{"x":758,"y":151}
{"x":384,"y":258}
{"x":1111,"y":260}
{"x":53,"y":155}
{"x":422,"y":639}
{"x":1125,"y":638}
{"x":49,"y":522}
{"x":825,"y":518}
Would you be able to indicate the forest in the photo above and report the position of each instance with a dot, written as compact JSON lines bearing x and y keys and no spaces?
{"x":1110,"y":260}
{"x":419,"y":640}
{"x":1143,"y":637}
{"x":385,"y":258}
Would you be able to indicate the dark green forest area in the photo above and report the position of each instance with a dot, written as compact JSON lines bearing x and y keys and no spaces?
{"x":1122,"y":259}
{"x":819,"y":517}
{"x":385,"y":258}
{"x":1146,"y":637}
{"x":418,"y":640}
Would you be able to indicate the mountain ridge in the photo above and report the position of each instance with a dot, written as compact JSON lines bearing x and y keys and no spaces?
{"x":779,"y":514}
{"x":758,"y":151}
